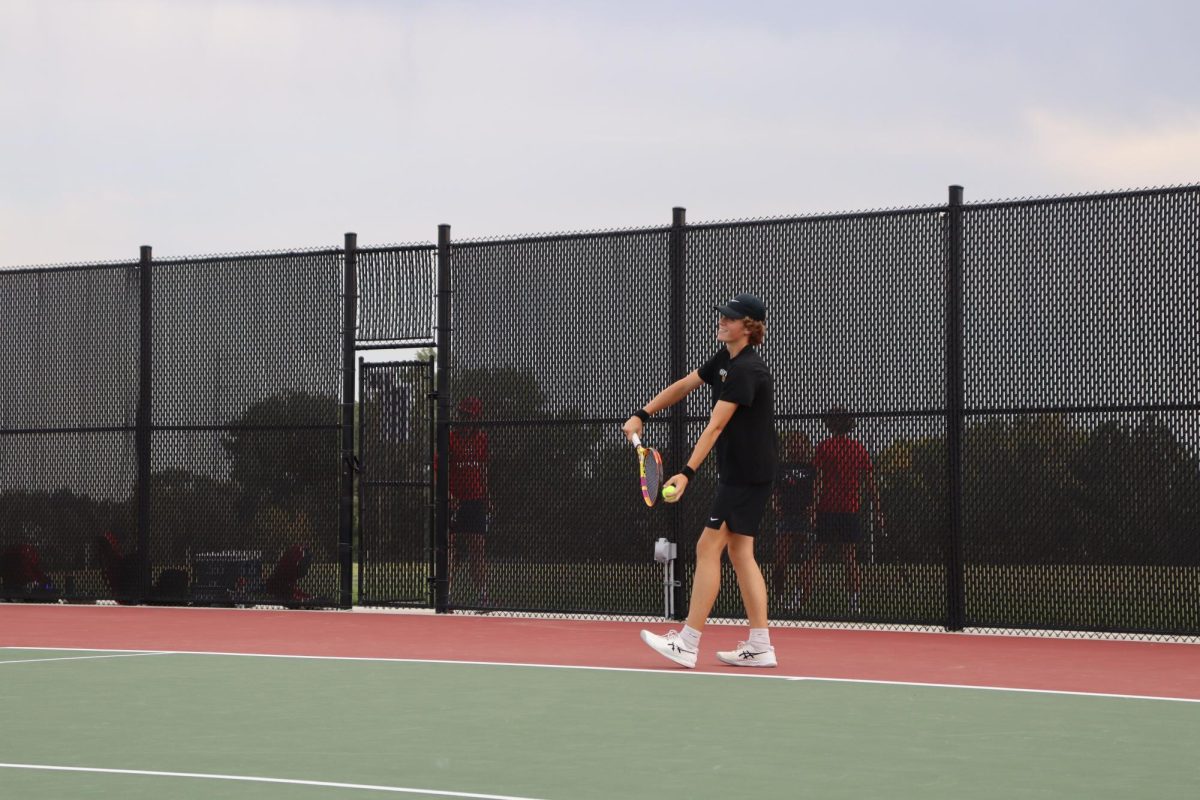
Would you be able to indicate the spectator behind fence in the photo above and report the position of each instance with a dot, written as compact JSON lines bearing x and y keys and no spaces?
{"x":469,"y":503}
{"x":792,"y":503}
{"x":842,"y":467}
{"x":291,"y":568}
{"x":122,"y":573}
{"x":22,"y":576}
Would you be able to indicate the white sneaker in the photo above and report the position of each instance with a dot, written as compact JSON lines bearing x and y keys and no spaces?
{"x":672,"y":646}
{"x":749,"y":654}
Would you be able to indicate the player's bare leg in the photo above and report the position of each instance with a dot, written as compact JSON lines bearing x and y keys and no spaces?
{"x":750,"y":579}
{"x":756,"y":651}
{"x":706,"y":583}
{"x":683,"y":647}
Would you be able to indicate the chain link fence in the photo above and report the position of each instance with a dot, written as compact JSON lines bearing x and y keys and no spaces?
{"x":1023,"y":375}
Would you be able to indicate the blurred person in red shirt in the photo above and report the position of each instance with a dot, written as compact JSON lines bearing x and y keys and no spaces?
{"x":469,"y":504}
{"x":22,"y":576}
{"x":842,"y":467}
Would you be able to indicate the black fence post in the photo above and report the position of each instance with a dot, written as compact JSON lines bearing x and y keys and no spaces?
{"x":431,"y":504}
{"x":144,"y":420}
{"x":349,"y":331}
{"x":955,"y":588}
{"x":678,"y":366}
{"x":441,"y":528}
{"x":363,"y":468}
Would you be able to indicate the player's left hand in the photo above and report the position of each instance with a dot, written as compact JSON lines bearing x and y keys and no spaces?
{"x":679,"y":482}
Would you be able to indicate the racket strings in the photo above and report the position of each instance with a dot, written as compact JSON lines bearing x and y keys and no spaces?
{"x":653,"y":473}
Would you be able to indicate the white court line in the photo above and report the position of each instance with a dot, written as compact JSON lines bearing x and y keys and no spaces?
{"x":673,"y":672}
{"x":255,"y":779}
{"x":77,"y":658}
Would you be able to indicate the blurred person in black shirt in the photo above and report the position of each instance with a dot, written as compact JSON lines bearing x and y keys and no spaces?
{"x":792,"y":503}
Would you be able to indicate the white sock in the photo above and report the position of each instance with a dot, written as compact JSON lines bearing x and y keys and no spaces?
{"x":760,"y":636}
{"x":691,"y":637}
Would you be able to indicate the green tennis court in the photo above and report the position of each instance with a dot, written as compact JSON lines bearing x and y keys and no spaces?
{"x":273,"y":727}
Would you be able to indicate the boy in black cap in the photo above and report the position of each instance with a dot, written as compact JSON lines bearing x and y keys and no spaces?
{"x":742,"y":429}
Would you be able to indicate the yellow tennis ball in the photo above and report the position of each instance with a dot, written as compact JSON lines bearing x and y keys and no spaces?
{"x":668,"y":493}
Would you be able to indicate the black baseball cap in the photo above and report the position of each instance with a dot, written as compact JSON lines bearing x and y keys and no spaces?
{"x":744,"y":305}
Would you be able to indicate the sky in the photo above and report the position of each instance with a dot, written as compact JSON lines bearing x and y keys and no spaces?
{"x":223,"y":126}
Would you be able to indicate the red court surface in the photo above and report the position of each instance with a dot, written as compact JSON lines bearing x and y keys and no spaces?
{"x":1016,"y":662}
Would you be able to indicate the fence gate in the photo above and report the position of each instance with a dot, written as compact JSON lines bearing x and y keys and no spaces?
{"x":395,"y":501}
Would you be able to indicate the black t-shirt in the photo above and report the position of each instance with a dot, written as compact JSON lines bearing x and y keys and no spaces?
{"x":794,"y":488}
{"x":746,"y":448}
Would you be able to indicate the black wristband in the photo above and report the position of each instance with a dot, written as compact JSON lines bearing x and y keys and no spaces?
{"x":641,"y":414}
{"x":687,"y":472}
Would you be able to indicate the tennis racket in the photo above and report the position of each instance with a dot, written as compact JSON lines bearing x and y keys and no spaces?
{"x":649,"y":470}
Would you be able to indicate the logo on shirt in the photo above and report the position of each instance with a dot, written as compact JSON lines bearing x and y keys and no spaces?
{"x":724,"y":374}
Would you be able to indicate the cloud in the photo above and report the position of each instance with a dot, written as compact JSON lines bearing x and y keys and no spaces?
{"x":250,"y":124}
{"x":1123,"y":155}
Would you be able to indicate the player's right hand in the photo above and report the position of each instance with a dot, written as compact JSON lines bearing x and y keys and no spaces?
{"x":631,"y":428}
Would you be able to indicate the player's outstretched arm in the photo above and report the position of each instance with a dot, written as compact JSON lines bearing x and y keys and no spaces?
{"x":664,"y":399}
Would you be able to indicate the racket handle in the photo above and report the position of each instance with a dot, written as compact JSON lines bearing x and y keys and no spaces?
{"x":637,"y":440}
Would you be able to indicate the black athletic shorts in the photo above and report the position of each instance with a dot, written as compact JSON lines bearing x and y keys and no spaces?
{"x":741,"y":507}
{"x":834,"y":528}
{"x":471,"y":517}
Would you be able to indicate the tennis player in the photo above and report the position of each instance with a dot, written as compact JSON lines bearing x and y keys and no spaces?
{"x":742,"y":428}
